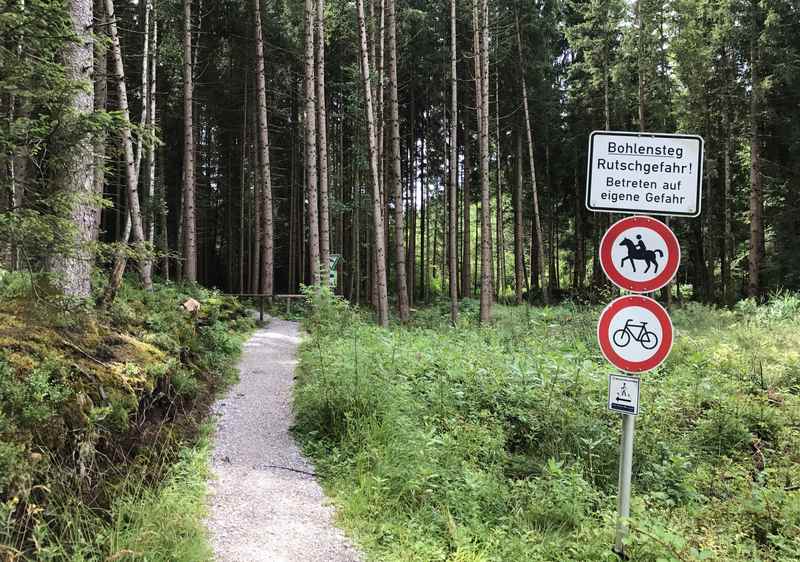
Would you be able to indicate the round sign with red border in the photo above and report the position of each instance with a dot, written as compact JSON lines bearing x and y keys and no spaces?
{"x":635,"y":333}
{"x":640,"y":254}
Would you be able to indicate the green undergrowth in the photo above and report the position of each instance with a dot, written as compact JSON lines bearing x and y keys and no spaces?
{"x":474,"y":444}
{"x":101,"y":417}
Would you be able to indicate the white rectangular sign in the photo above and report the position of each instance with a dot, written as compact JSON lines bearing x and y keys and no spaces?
{"x":650,"y":173}
{"x":623,"y":394}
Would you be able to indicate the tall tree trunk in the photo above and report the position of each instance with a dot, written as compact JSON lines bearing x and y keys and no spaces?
{"x":144,"y":118}
{"x":501,"y":266}
{"x":131,"y":172}
{"x":151,"y":127}
{"x":727,"y":240}
{"x":424,"y":239}
{"x":395,"y":176}
{"x":258,"y":220}
{"x":519,"y":251}
{"x":243,"y":189}
{"x":580,"y":265}
{"x":380,"y":117}
{"x":266,"y":242}
{"x":481,"y":56}
{"x":189,"y":214}
{"x":100,"y":101}
{"x":382,"y":304}
{"x":452,"y":200}
{"x":142,"y":137}
{"x":76,"y":179}
{"x":162,"y":214}
{"x":322,"y":135}
{"x":411,"y":268}
{"x":756,"y":180}
{"x":640,"y":63}
{"x":466,"y":265}
{"x":537,"y":223}
{"x":311,"y":144}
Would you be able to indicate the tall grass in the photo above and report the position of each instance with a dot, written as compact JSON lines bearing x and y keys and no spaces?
{"x":494,"y":443}
{"x":144,"y":522}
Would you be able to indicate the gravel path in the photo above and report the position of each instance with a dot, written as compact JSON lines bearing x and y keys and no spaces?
{"x":260,"y":512}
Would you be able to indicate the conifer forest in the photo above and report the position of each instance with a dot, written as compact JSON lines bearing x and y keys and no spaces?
{"x":434,"y":147}
{"x":402,"y":187}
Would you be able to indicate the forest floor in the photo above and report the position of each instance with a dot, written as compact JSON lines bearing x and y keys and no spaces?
{"x":104,"y":441}
{"x":265,"y":502}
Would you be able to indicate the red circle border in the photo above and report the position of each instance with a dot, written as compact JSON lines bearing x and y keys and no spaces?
{"x":604,"y":338}
{"x":614,"y":274}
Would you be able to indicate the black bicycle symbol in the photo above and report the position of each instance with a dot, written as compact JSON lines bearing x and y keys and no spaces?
{"x":623,"y":336}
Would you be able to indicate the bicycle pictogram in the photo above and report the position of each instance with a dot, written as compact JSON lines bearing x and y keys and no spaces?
{"x":646,"y":338}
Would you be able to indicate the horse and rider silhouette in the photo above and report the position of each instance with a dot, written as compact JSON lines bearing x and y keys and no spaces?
{"x":639,"y":251}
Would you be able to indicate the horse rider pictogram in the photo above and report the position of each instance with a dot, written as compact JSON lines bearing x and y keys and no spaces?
{"x":639,"y":251}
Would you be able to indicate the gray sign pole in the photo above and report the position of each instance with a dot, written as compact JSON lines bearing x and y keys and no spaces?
{"x":624,"y":498}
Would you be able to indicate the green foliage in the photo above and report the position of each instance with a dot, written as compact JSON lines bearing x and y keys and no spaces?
{"x":327,"y":313}
{"x":95,"y":409}
{"x":494,"y":443}
{"x":144,"y":522}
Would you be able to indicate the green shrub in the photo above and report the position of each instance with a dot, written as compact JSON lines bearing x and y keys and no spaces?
{"x":91,"y":402}
{"x":494,"y":443}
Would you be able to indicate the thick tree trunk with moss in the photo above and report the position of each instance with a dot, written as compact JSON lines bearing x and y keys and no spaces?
{"x":75,"y":177}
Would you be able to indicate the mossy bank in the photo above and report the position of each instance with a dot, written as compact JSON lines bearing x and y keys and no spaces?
{"x":99,"y":412}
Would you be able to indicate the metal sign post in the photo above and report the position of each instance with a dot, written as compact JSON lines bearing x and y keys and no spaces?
{"x":625,"y":469}
{"x":636,"y":173}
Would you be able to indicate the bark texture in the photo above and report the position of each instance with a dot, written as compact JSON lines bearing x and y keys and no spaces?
{"x":481,"y":52}
{"x":382,"y":303}
{"x":189,"y":226}
{"x":322,"y":136}
{"x":395,"y":179}
{"x":537,"y":223}
{"x":756,"y":180}
{"x":266,"y":241}
{"x":75,"y":179}
{"x":311,"y":144}
{"x":453,"y":177}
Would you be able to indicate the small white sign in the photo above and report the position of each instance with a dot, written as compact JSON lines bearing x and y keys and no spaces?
{"x":623,"y":394}
{"x":333,"y":263}
{"x":651,"y":173}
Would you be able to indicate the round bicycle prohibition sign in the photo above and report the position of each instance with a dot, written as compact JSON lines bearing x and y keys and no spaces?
{"x":640,"y":254}
{"x":635,"y":333}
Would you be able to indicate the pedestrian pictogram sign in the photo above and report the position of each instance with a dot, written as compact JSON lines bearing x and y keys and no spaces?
{"x":635,"y":334}
{"x":333,"y":277}
{"x":651,"y":173}
{"x":623,"y":394}
{"x":640,"y":254}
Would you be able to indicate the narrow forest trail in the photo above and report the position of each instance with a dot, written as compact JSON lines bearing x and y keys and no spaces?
{"x":265,"y":504}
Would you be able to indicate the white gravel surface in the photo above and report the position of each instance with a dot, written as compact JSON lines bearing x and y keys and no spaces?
{"x":265,"y":504}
